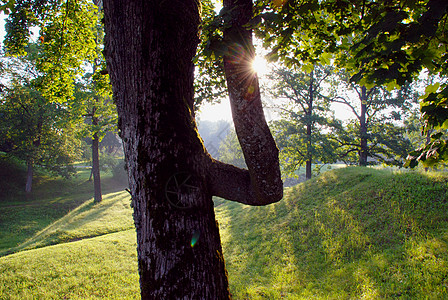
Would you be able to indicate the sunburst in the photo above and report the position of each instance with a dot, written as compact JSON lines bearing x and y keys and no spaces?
{"x":260,"y":66}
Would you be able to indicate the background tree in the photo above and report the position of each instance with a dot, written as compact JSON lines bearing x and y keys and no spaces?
{"x":32,"y":128}
{"x":70,"y":37}
{"x":375,"y":132}
{"x":300,"y":132}
{"x":94,"y":97}
{"x":379,"y":42}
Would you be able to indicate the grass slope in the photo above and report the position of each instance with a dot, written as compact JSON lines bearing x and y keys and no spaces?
{"x":100,"y":268}
{"x":28,"y":221}
{"x":112,"y":214}
{"x":349,"y":234}
{"x":354,"y":233}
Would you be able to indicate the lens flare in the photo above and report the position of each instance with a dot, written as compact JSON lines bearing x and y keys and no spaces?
{"x":260,"y":66}
{"x":236,"y":53}
{"x":195,"y":238}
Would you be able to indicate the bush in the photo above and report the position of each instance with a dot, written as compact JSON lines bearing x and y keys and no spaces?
{"x":12,"y":175}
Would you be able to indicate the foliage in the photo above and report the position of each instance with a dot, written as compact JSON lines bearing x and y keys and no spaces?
{"x":379,"y":42}
{"x":66,"y":39}
{"x":434,"y":127}
{"x":209,"y":80}
{"x":93,"y":92}
{"x":93,"y":98}
{"x":37,"y":131}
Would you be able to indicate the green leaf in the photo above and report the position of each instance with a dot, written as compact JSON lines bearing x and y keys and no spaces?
{"x":432,"y":88}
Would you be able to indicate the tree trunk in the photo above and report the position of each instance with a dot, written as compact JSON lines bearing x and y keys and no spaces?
{"x":258,"y":146}
{"x":149,"y":50}
{"x":98,"y":197}
{"x":29,"y":176}
{"x":309,"y":156}
{"x":363,"y":151}
{"x":96,"y":166}
{"x":309,"y":129}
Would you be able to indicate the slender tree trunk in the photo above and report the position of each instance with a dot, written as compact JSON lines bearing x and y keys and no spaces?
{"x":309,"y":129}
{"x":149,"y":50}
{"x":309,"y":159}
{"x":428,"y":140}
{"x":96,"y":166}
{"x":29,"y":176}
{"x":258,"y":146}
{"x":98,"y":197}
{"x":363,"y":151}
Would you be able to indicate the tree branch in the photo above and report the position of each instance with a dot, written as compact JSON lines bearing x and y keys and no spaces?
{"x":262,"y":183}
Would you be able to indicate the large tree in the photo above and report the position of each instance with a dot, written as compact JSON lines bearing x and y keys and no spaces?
{"x":150,"y":47}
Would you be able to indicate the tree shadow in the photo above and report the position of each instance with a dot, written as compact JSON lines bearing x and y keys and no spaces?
{"x":345,"y":235}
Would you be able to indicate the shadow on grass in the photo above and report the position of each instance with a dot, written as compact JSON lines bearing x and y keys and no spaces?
{"x":26,"y":219}
{"x":88,"y":220}
{"x":349,"y":234}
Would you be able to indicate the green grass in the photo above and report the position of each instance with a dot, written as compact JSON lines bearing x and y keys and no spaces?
{"x":349,"y":234}
{"x":352,"y":233}
{"x":28,"y":220}
{"x":99,"y":268}
{"x":113,"y":214}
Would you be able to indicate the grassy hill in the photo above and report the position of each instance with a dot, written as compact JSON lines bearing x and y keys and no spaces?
{"x":349,"y":234}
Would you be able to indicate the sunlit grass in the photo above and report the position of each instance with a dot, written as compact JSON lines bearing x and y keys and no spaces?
{"x":113,"y":214}
{"x":24,"y":218}
{"x":354,"y":233}
{"x":349,"y":234}
{"x":100,"y":268}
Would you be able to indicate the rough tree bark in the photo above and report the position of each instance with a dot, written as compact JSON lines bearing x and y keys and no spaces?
{"x":149,"y":50}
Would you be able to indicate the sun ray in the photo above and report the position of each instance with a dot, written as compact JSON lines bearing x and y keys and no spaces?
{"x":260,"y":66}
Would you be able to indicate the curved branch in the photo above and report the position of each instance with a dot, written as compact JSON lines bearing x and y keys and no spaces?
{"x":261,"y":184}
